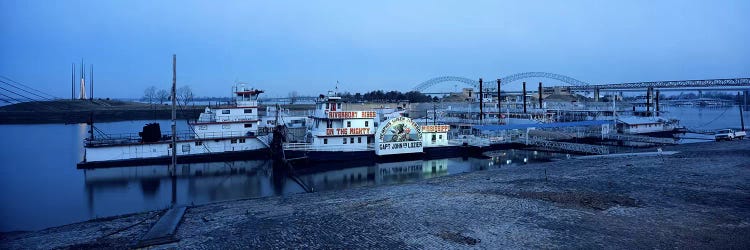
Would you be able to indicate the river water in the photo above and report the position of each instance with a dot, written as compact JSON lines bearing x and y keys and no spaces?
{"x":41,"y":186}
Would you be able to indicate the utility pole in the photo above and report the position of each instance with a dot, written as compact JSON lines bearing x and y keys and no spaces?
{"x":173,"y":170}
{"x":656,"y":103}
{"x":742,"y":118}
{"x":174,"y":114}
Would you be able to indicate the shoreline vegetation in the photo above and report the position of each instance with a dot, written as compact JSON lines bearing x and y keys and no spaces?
{"x":81,"y":111}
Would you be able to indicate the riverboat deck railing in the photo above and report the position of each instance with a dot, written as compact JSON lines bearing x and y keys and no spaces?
{"x":133,"y":138}
{"x":311,"y":147}
{"x":226,"y":118}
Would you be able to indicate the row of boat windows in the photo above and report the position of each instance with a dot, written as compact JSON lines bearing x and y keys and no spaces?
{"x":344,"y":140}
{"x":645,"y":125}
{"x":328,"y":105}
{"x":200,"y":143}
{"x":227,"y":111}
{"x":224,"y":126}
{"x":329,"y":124}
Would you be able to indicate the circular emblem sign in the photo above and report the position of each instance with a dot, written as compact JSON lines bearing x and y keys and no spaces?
{"x":399,"y":135}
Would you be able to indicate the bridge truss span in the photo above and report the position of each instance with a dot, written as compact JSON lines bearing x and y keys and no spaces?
{"x":730,"y":82}
{"x":474,"y":83}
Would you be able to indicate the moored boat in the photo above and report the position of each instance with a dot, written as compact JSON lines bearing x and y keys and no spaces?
{"x":224,"y":132}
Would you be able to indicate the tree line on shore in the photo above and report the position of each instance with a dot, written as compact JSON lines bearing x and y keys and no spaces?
{"x":375,"y":96}
{"x":184,"y":95}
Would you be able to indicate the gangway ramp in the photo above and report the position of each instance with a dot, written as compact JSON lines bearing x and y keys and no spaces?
{"x":569,"y":146}
{"x":640,"y":138}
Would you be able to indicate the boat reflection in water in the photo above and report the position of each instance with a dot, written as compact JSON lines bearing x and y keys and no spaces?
{"x":113,"y":191}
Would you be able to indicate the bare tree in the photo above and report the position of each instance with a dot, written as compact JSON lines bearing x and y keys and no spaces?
{"x":149,"y":95}
{"x":162,"y":95}
{"x":293,"y":96}
{"x":185,"y":95}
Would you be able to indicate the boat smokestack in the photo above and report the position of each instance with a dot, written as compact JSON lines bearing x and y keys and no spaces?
{"x":648,"y":101}
{"x":656,"y":103}
{"x":540,"y":94}
{"x":481,"y":101}
{"x":498,"y":102}
{"x":524,"y":97}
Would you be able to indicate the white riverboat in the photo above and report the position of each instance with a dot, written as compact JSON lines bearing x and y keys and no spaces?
{"x":336,"y":133}
{"x":220,"y":132}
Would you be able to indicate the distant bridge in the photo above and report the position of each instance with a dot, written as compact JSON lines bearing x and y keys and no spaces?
{"x":578,"y":85}
{"x":712,"y":83}
{"x":474,"y":83}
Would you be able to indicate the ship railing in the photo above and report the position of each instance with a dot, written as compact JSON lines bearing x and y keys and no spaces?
{"x":311,"y":147}
{"x":131,"y":138}
{"x":228,"y":118}
{"x":224,"y":134}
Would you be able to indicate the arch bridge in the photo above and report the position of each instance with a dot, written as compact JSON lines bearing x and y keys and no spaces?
{"x":474,"y":83}
{"x":578,"y":85}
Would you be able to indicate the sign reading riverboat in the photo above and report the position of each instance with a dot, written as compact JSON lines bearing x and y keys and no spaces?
{"x":351,"y":114}
{"x":399,"y":135}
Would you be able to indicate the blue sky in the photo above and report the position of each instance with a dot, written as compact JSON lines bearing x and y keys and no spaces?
{"x":281,"y":46}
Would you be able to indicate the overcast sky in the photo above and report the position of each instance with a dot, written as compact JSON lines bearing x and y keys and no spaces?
{"x":281,"y":46}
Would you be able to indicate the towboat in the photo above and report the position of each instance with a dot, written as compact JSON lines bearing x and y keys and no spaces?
{"x":223,"y":132}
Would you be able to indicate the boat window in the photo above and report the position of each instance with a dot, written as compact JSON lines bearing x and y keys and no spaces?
{"x":248,"y":111}
{"x":440,"y":137}
{"x":325,"y":141}
{"x":348,"y":124}
{"x":359,"y":139}
{"x":233,"y":141}
{"x":248,"y":125}
{"x":433,"y":139}
{"x":329,"y":124}
{"x":226,"y":126}
{"x":328,"y":105}
{"x":344,"y":140}
{"x":225,"y":111}
{"x":198,"y":143}
{"x":242,"y":140}
{"x":339,"y":105}
{"x":351,"y":140}
{"x":367,"y":123}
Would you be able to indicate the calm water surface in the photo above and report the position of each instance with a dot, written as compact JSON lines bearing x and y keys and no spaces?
{"x":41,"y":186}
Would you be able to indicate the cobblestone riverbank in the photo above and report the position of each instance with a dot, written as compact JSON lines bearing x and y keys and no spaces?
{"x":696,"y":198}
